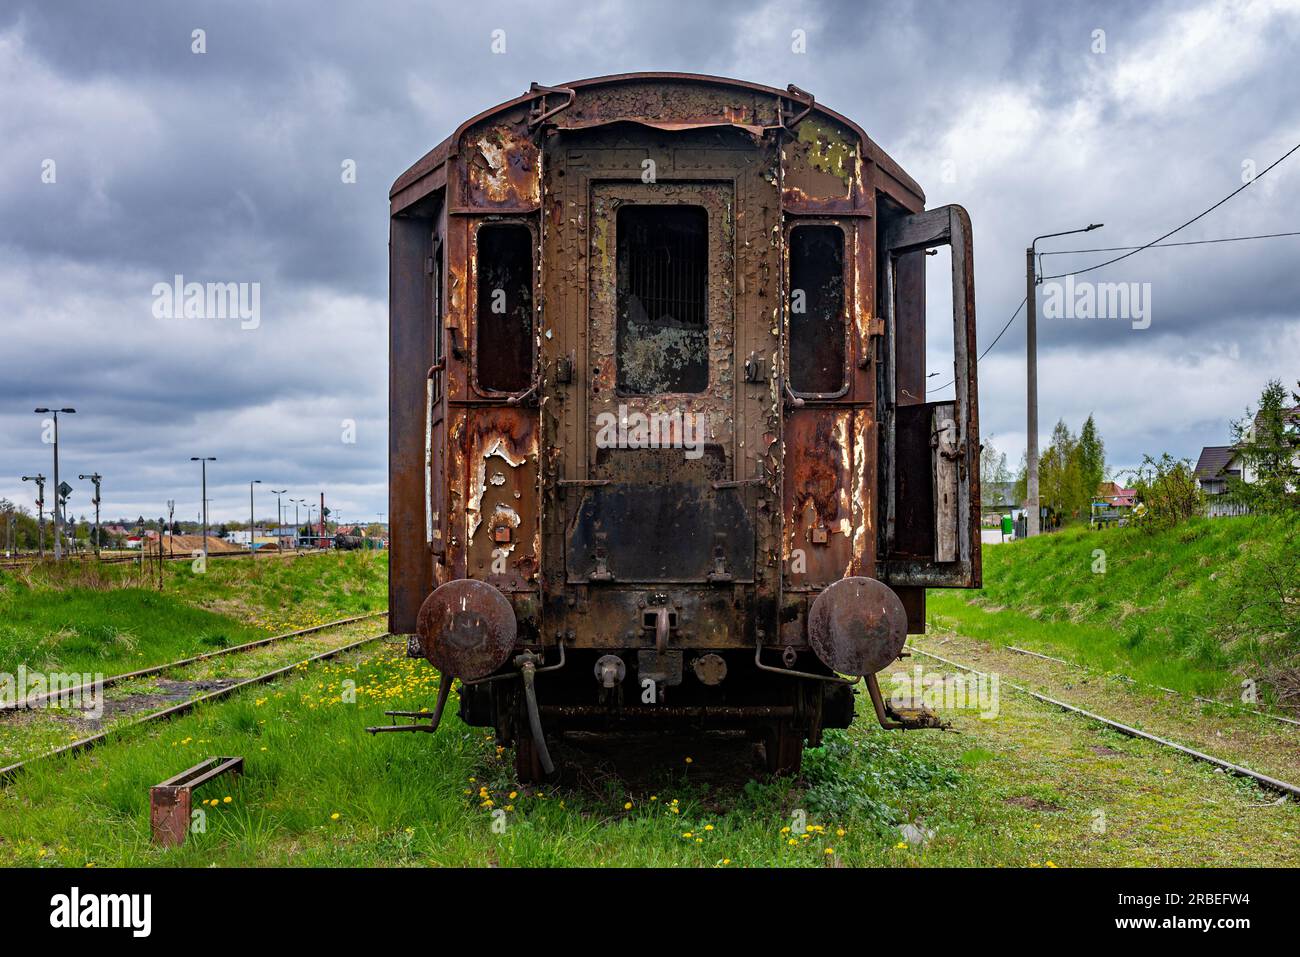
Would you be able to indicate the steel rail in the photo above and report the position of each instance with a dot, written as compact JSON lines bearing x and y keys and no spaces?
{"x":7,"y":774}
{"x":35,"y":700}
{"x":1173,"y":691}
{"x":1273,"y":784}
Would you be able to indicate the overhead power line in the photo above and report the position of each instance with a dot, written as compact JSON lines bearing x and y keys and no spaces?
{"x":1134,"y":250}
{"x":1190,"y":242}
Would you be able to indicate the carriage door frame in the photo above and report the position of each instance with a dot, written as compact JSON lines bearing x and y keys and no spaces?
{"x":930,"y":450}
{"x":609,"y":387}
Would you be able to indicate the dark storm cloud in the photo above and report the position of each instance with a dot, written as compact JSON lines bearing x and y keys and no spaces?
{"x":225,"y":167}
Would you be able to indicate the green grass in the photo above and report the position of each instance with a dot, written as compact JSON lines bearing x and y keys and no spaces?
{"x":1025,"y":789}
{"x":1184,"y":608}
{"x":102,"y":620}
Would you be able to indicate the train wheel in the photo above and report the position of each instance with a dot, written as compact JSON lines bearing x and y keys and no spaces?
{"x":783,"y":748}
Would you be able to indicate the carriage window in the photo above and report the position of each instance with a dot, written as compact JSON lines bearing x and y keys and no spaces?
{"x":504,"y":348}
{"x":817,"y":330}
{"x":663,"y":268}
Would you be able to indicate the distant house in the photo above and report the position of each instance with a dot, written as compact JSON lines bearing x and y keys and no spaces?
{"x":1215,"y":466}
{"x":1218,"y":465}
{"x":1112,"y":503}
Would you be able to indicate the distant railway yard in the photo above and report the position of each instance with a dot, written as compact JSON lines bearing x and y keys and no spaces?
{"x":285,"y":664}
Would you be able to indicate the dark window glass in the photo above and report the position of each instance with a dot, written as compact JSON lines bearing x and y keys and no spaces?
{"x":504,"y":348}
{"x":663,"y":272}
{"x":817,"y":334}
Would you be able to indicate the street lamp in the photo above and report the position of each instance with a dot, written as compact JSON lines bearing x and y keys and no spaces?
{"x":204,"y":460}
{"x":297,"y":529}
{"x":251,"y":521}
{"x":1032,"y":520}
{"x":279,"y":518}
{"x":39,"y":479}
{"x":97,"y":478}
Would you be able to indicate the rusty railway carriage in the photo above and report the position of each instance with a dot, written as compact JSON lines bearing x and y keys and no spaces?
{"x":660,"y":455}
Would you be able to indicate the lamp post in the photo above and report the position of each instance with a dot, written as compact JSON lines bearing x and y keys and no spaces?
{"x":39,"y":479}
{"x":279,"y":516}
{"x":204,"y":460}
{"x":252,"y":550}
{"x":97,"y":478}
{"x":297,"y":529}
{"x":1032,"y":520}
{"x":58,"y":512}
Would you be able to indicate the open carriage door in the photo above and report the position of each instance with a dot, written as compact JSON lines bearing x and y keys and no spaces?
{"x":930,"y":450}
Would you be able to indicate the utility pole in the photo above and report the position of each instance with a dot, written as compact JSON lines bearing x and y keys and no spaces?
{"x":322,"y":520}
{"x":171,"y":527}
{"x":1032,"y":508}
{"x":40,"y":508}
{"x":97,"y":478}
{"x":297,"y":529}
{"x":58,"y":495}
{"x":252,"y":549}
{"x":204,"y":460}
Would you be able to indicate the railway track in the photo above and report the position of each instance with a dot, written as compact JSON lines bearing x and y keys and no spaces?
{"x":1273,"y":784}
{"x":37,"y":700}
{"x":1212,"y":701}
{"x":10,"y":772}
{"x":135,"y":559}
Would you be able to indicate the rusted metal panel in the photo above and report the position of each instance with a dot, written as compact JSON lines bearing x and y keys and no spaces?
{"x":498,"y":450}
{"x":409,"y":357}
{"x":502,"y":164}
{"x":824,"y":169}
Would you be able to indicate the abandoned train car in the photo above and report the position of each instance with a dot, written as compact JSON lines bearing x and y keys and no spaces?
{"x":660,"y":455}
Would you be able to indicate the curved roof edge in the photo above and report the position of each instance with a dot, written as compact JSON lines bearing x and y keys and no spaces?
{"x":438,"y":155}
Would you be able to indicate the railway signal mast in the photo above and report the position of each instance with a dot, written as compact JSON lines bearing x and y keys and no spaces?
{"x":97,"y":478}
{"x":39,"y":479}
{"x":59,"y":497}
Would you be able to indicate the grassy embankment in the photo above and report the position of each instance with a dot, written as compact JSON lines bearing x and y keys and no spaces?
{"x":1033,"y":788}
{"x":1194,"y":608}
{"x":86,"y":618}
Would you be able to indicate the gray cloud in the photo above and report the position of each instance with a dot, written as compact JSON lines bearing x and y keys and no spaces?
{"x":225,"y":167}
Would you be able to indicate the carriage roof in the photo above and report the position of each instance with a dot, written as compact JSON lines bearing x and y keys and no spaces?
{"x":602,"y":103}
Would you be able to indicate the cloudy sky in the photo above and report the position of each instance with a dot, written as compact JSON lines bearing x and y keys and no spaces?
{"x":224,"y":166}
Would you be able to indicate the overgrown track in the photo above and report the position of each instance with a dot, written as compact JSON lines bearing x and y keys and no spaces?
{"x":1273,"y":784}
{"x":36,"y":700}
{"x":7,"y":774}
{"x":1211,"y":701}
{"x":32,"y":561}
